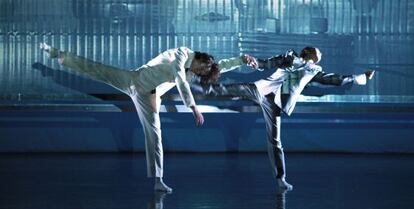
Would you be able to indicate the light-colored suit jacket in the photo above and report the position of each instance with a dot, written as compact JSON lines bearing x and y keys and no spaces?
{"x":168,"y":69}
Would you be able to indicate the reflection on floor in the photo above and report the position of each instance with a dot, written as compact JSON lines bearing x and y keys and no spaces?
{"x":231,"y":181}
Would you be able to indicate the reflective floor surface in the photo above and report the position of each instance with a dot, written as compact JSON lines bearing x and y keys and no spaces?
{"x":233,"y":181}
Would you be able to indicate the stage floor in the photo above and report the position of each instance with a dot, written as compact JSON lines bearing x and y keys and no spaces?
{"x":216,"y":181}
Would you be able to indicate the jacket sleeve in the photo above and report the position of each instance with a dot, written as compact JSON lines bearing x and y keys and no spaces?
{"x":279,"y":61}
{"x":180,"y":78}
{"x":226,"y":65}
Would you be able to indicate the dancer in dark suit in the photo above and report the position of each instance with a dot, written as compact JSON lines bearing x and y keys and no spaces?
{"x":267,"y":94}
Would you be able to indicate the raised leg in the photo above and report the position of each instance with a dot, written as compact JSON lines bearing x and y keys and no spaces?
{"x":118,"y":78}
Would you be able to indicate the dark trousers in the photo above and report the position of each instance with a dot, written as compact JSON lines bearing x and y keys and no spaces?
{"x":271,"y":114}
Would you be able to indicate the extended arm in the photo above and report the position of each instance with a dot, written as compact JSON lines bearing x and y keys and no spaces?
{"x":184,"y":87}
{"x":279,"y":61}
{"x":226,"y":65}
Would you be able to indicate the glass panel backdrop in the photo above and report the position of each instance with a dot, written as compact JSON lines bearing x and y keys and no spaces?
{"x":353,"y":35}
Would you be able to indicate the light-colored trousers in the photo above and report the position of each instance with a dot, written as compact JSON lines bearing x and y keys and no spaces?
{"x":271,"y":114}
{"x":145,"y":103}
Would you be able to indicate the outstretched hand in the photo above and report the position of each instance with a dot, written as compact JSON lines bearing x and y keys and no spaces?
{"x":44,"y":46}
{"x":199,"y":119}
{"x":369,"y":73}
{"x":250,"y":61}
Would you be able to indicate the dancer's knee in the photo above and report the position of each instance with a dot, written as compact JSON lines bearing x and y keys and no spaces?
{"x":276,"y":143}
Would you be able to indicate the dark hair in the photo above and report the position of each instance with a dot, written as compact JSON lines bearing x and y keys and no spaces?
{"x":309,"y":53}
{"x":204,"y":57}
{"x":212,"y":76}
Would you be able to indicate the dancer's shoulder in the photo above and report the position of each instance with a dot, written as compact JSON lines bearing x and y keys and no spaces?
{"x":314,"y":68}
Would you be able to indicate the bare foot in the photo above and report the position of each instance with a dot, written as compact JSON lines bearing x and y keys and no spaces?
{"x":162,"y":187}
{"x":283,"y":185}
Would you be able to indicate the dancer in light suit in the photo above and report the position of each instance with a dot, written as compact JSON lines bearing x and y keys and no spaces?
{"x":267,"y":93}
{"x":145,"y":86}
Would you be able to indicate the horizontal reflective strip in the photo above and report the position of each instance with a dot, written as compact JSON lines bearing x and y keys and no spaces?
{"x":340,"y":121}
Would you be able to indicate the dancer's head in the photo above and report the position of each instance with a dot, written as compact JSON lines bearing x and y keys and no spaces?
{"x":203,"y":65}
{"x":310,"y":53}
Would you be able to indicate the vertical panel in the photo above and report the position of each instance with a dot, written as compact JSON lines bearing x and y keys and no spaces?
{"x":88,"y":28}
